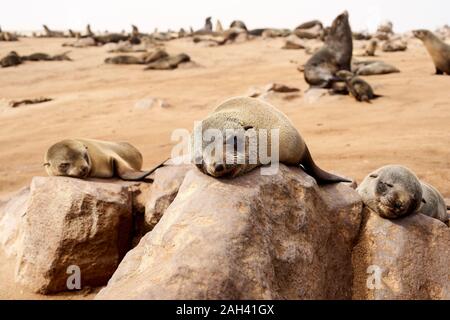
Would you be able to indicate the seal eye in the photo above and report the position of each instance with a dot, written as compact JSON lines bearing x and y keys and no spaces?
{"x":373,"y":176}
{"x":64,"y":166}
{"x":389,"y":185}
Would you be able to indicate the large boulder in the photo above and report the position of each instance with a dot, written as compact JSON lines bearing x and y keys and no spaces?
{"x":408,"y":258}
{"x":12,"y":212}
{"x":69,"y":221}
{"x":167,"y":181}
{"x":253,"y":237}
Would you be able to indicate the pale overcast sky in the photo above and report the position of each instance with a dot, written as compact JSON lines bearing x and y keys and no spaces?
{"x":115,"y":15}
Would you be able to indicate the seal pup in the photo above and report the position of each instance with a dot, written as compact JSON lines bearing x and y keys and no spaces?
{"x":433,"y":204}
{"x":335,"y":55}
{"x":83,"y":158}
{"x":10,"y":60}
{"x":244,"y":113}
{"x":357,"y":87}
{"x":392,"y":191}
{"x":371,"y":47}
{"x":438,"y":50}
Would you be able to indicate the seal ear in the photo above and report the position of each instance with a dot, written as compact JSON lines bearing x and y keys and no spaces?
{"x":373,"y":175}
{"x":47,"y":164}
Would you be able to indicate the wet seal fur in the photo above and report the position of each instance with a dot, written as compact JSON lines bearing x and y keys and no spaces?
{"x":336,"y":55}
{"x":83,"y":158}
{"x":244,"y":113}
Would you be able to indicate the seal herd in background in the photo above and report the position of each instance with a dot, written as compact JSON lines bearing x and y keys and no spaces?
{"x":392,"y":191}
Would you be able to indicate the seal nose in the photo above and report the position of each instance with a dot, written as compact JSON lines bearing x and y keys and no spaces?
{"x":84,"y":171}
{"x":219,"y":168}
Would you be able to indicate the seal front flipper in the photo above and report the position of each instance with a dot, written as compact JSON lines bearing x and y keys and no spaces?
{"x":320,"y":175}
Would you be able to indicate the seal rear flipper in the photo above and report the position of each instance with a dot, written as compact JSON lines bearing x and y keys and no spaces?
{"x":126,"y":173}
{"x":321,"y":176}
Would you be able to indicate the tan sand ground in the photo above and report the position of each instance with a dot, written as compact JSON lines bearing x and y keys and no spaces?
{"x":409,"y":125}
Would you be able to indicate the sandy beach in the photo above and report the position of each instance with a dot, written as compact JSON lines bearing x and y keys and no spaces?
{"x":409,"y":125}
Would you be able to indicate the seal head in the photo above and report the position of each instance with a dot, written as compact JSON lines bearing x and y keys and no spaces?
{"x":68,"y":158}
{"x":391,"y":191}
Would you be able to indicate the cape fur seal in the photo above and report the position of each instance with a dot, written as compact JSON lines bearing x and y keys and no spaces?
{"x":52,"y":34}
{"x":238,"y":24}
{"x":168,"y":62}
{"x":244,"y":113}
{"x":82,"y":158}
{"x":370,"y":48}
{"x":438,"y":50}
{"x":357,"y":87}
{"x":433,"y":204}
{"x":10,"y":60}
{"x":123,"y":59}
{"x":39,"y":56}
{"x":391,"y":191}
{"x":369,"y":68}
{"x":335,"y":55}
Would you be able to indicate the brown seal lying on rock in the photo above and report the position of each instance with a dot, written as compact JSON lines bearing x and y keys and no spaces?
{"x":244,"y":113}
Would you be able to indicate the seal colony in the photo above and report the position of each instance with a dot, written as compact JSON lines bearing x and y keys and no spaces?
{"x":391,"y":191}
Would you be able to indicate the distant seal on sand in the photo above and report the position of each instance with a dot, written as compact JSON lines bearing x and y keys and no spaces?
{"x":391,"y":191}
{"x":433,"y":203}
{"x":46,"y":57}
{"x":371,"y":48}
{"x":336,"y":55}
{"x":10,"y":60}
{"x":124,"y":60}
{"x":369,"y":68}
{"x":82,"y":158}
{"x":52,"y":34}
{"x":244,"y":113}
{"x":208,"y":25}
{"x":438,"y":50}
{"x":394,"y":46}
{"x":357,"y":87}
{"x":168,"y":62}
{"x":238,"y":24}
